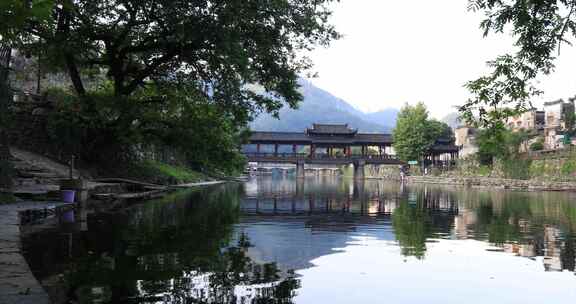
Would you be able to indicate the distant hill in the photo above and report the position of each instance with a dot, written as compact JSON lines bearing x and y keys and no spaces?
{"x":386,"y":117}
{"x":320,"y":106}
{"x":452,"y":119}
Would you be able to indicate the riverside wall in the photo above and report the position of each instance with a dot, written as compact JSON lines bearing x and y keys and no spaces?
{"x":496,"y":183}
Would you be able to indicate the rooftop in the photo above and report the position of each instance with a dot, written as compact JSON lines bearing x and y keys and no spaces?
{"x":303,"y":138}
{"x":551,"y":103}
{"x":331,"y":129}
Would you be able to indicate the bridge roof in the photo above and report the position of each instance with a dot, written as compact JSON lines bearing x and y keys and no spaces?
{"x":442,"y":148}
{"x":303,"y":138}
{"x":331,"y":129}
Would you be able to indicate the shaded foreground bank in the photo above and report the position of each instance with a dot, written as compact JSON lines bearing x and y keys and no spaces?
{"x":17,"y":283}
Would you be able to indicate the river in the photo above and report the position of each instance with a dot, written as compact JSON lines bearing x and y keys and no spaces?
{"x":318,"y":240}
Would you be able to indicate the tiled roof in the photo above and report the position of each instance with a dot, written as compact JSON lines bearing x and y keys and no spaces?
{"x":444,"y":148}
{"x":445,"y":141}
{"x":302,"y":138}
{"x":331,"y":129}
{"x":368,"y":138}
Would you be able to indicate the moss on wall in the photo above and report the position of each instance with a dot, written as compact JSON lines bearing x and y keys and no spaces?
{"x":382,"y":171}
{"x":556,"y":168}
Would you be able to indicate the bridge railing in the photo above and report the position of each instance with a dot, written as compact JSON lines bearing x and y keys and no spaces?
{"x":305,"y":156}
{"x":277,"y":155}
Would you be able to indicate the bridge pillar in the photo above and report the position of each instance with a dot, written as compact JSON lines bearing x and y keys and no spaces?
{"x":300,"y":171}
{"x":299,"y":189}
{"x":359,"y":169}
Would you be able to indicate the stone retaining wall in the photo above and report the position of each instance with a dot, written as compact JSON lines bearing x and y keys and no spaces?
{"x":499,"y":183}
{"x":28,"y":131}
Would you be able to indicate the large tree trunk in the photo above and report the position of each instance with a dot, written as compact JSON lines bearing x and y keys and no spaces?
{"x":5,"y":98}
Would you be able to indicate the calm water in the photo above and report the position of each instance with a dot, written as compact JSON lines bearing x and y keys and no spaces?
{"x":322,"y":240}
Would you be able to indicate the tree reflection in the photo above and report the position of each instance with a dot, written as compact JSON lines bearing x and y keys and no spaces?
{"x":236,"y":278}
{"x":175,"y":250}
{"x":423,"y":213}
{"x":412,"y":226}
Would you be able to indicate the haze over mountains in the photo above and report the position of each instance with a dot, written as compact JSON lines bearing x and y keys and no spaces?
{"x":320,"y":106}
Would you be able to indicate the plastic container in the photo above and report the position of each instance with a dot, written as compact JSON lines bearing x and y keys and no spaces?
{"x":68,"y":196}
{"x":68,"y":217}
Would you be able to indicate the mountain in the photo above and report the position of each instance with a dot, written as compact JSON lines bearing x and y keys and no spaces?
{"x":386,"y":117}
{"x":452,"y":119}
{"x":319,"y":106}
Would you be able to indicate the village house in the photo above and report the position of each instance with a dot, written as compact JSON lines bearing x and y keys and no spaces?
{"x":466,"y":140}
{"x":529,"y":120}
{"x":559,"y":118}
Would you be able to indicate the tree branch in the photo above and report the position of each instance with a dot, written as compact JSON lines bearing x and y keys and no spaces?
{"x":149,"y":70}
{"x":565,"y":26}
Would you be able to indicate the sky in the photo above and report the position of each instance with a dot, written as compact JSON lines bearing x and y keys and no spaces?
{"x":398,"y":51}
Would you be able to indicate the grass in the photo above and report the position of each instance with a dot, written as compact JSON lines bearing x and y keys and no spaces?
{"x":7,"y":198}
{"x":160,"y":173}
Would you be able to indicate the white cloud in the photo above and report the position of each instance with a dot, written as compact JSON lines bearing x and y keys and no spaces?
{"x":416,"y":50}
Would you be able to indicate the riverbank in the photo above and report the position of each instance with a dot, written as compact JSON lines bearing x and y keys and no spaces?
{"x":17,"y":283}
{"x":496,"y":183}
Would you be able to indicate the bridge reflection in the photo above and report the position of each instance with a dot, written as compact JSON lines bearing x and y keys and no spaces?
{"x":316,"y":196}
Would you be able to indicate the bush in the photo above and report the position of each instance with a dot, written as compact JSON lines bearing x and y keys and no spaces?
{"x":569,"y":167}
{"x":500,"y":143}
{"x":484,"y":170}
{"x":103,"y":129}
{"x":516,"y":168}
{"x":537,"y":145}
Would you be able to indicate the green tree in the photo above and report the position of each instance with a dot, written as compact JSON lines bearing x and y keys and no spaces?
{"x":540,"y":28}
{"x":490,"y":144}
{"x":186,"y":123}
{"x":14,"y":14}
{"x":501,"y":143}
{"x":415,"y":134}
{"x":410,"y":140}
{"x":439,"y":129}
{"x":188,"y":72}
{"x":243,"y":55}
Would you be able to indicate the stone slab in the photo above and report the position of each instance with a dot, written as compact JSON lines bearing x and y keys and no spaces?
{"x":17,"y":283}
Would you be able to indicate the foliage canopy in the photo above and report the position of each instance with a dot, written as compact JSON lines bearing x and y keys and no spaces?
{"x":540,"y":29}
{"x":499,"y":143}
{"x":243,"y":55}
{"x":186,"y":73}
{"x":415,"y":133}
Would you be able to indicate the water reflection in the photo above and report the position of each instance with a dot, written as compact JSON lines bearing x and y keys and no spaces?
{"x":321,"y":239}
{"x":180,"y":249}
{"x":525,"y":224}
